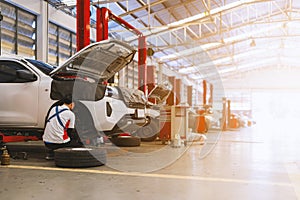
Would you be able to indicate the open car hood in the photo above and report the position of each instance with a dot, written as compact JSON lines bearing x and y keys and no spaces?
{"x":135,"y":97}
{"x":161,"y":92}
{"x":100,"y":60}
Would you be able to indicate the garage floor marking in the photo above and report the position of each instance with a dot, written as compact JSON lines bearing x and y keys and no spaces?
{"x":293,"y":171}
{"x":151,"y":175}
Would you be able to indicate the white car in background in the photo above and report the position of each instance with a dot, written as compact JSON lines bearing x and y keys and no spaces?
{"x":29,"y":88}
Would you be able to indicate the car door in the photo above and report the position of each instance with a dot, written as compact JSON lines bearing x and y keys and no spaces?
{"x":19,"y":95}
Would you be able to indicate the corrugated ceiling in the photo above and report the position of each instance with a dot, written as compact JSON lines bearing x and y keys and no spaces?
{"x":233,"y":36}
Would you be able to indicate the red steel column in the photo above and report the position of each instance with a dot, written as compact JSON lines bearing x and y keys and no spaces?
{"x":190,"y":95}
{"x":178,"y":91}
{"x":211,"y":94}
{"x":170,"y":99}
{"x":102,"y":24}
{"x":83,"y":24}
{"x":223,"y":121}
{"x":228,"y":112}
{"x":150,"y":80}
{"x":142,"y":58}
{"x":204,"y":92}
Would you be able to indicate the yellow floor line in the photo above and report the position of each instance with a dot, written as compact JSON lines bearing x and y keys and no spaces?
{"x":293,"y":171}
{"x":150,"y":175}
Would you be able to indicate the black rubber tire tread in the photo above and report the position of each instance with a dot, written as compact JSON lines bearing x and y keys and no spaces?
{"x":152,"y":127}
{"x":79,"y":152}
{"x":126,"y":141}
{"x":76,"y":164}
{"x":79,"y":157}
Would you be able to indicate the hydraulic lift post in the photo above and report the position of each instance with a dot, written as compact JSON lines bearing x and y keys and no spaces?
{"x":103,"y":16}
{"x":223,"y":121}
{"x":204,"y":93}
{"x":82,"y":24}
{"x":102,"y":24}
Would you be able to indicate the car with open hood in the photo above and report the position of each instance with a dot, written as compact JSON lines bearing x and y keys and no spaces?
{"x":30,"y":88}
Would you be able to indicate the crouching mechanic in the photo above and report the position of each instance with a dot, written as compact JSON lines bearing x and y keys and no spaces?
{"x":60,"y":127}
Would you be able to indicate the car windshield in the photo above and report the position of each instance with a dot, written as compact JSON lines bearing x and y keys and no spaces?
{"x":44,"y":67}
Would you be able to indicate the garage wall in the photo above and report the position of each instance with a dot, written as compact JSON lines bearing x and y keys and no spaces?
{"x":44,"y":14}
{"x":55,"y":16}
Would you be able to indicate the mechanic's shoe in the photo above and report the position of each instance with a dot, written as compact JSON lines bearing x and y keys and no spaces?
{"x":48,"y":157}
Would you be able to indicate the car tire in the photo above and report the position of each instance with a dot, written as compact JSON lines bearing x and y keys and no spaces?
{"x":126,"y":141}
{"x":149,"y":132}
{"x":79,"y":157}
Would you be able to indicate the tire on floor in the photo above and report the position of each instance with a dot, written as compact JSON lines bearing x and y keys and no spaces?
{"x":79,"y":157}
{"x":126,"y":141}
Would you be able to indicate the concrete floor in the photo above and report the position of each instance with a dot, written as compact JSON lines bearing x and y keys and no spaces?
{"x":261,"y":162}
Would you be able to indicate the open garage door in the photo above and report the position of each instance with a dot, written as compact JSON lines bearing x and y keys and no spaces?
{"x":281,"y":106}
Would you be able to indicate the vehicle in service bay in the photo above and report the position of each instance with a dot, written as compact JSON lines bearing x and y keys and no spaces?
{"x":29,"y":88}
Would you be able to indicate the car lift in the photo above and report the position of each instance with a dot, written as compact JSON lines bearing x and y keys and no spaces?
{"x":7,"y":136}
{"x":103,"y":16}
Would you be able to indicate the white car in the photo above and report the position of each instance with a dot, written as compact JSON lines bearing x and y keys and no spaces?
{"x":29,"y":88}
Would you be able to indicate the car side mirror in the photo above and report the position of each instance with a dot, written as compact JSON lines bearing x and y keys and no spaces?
{"x":26,"y":75}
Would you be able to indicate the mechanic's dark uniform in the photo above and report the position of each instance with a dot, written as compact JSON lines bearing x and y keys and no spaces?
{"x":60,"y":122}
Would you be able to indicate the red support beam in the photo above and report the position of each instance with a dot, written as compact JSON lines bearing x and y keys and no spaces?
{"x":83,"y":24}
{"x":211,"y":92}
{"x":150,"y":80}
{"x":125,"y":24}
{"x":228,"y":112}
{"x":178,"y":90}
{"x":223,"y":121}
{"x":170,"y":99}
{"x":142,"y":75}
{"x":190,"y":95}
{"x":102,"y":23}
{"x":204,"y":92}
